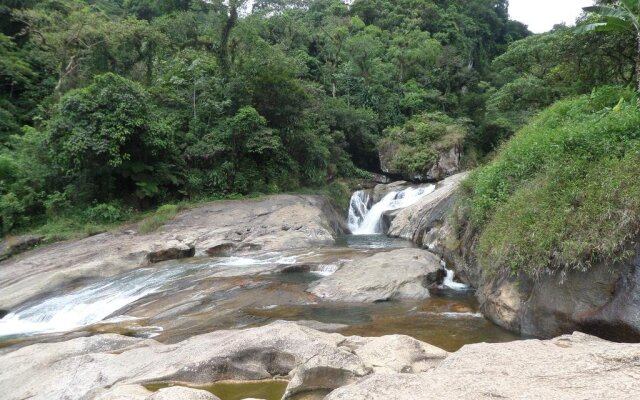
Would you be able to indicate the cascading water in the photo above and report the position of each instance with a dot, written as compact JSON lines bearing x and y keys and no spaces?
{"x":450,"y":283}
{"x":368,"y":221}
{"x":96,"y":302}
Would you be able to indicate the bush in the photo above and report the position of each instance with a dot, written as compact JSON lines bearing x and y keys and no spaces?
{"x":110,"y":139}
{"x":162,"y":215}
{"x":416,"y":146}
{"x":11,"y":210}
{"x":106,"y":214}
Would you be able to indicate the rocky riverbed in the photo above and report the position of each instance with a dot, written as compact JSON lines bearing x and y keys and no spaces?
{"x":269,"y":298}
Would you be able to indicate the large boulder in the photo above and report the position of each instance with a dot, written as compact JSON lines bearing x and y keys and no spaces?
{"x":91,"y":368}
{"x":577,"y":367}
{"x":425,"y":223}
{"x":273,"y":223}
{"x":397,"y":274}
{"x":18,"y":244}
{"x":603,"y":300}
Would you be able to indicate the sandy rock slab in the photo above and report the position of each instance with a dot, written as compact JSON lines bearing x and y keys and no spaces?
{"x":572,"y":367}
{"x":108,"y":367}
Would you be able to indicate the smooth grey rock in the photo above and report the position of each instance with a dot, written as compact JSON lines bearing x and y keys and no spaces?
{"x":173,"y":250}
{"x":399,"y":354}
{"x":397,"y":274}
{"x":90,"y":367}
{"x":379,"y":191}
{"x":576,"y":367}
{"x":55,"y":267}
{"x":424,"y":223}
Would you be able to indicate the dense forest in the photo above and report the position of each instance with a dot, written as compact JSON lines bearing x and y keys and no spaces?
{"x":108,"y":107}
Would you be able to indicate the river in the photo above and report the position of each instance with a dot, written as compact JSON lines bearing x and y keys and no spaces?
{"x":174,"y":300}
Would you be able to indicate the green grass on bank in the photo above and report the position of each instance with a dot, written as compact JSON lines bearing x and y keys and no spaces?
{"x":565,"y":191}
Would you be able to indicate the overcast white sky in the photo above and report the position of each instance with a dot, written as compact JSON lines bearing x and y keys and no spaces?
{"x":542,"y":15}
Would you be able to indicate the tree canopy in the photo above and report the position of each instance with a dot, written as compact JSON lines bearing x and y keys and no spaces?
{"x":137,"y":102}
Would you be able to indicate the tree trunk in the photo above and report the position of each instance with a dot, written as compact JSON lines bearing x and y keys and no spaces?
{"x":638,"y":63}
{"x":223,"y":51}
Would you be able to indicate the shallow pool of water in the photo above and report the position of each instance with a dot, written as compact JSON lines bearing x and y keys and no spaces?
{"x":377,"y":241}
{"x":449,"y":319}
{"x":272,"y":389}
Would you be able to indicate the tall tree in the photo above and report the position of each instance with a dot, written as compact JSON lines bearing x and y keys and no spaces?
{"x":621,"y":15}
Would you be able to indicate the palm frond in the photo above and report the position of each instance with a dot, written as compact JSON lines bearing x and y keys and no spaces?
{"x":590,"y":27}
{"x":607,"y":11}
{"x":632,"y":5}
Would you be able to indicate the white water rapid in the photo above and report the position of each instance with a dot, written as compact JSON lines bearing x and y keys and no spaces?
{"x":368,"y":221}
{"x":450,"y":283}
{"x":96,"y":302}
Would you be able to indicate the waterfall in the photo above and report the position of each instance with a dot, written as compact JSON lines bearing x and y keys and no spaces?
{"x":325,"y":270}
{"x":358,"y":208}
{"x":450,"y":283}
{"x":368,"y":221}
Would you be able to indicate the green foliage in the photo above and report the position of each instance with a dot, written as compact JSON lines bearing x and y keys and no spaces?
{"x":563,"y":192}
{"x":109,"y":136}
{"x":416,"y":146}
{"x":106,"y":213}
{"x":539,"y":70}
{"x":159,"y":218}
{"x":133,"y":103}
{"x":11,"y":210}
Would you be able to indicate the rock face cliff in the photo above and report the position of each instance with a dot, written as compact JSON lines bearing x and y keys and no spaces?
{"x":605,"y":300}
{"x":447,"y":164}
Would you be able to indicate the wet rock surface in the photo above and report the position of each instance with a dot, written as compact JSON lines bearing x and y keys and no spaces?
{"x":237,"y":226}
{"x":393,"y":275}
{"x":424,"y":223}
